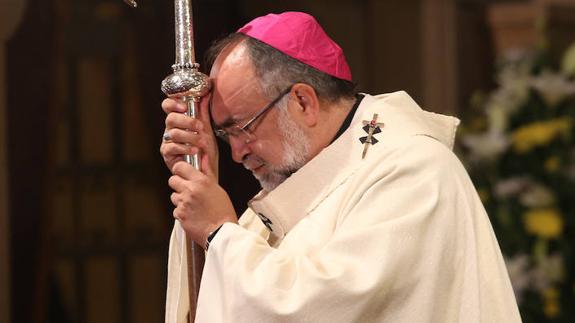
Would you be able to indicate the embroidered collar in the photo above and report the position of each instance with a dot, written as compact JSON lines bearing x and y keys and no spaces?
{"x":349,"y":117}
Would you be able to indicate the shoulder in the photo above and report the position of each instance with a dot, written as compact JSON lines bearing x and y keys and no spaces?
{"x":413,"y":156}
{"x":414,"y":177}
{"x":412,"y":168}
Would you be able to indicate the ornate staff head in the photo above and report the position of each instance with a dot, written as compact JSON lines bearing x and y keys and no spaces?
{"x":186,"y":81}
{"x":188,"y":84}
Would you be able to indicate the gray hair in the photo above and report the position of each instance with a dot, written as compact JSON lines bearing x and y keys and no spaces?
{"x":277,"y":71}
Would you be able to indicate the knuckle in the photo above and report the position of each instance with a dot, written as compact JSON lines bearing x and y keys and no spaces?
{"x":202,"y":180}
{"x":180,"y":213}
{"x":196,"y":124}
{"x":166,"y":151}
{"x":186,"y":202}
{"x":169,"y":105}
{"x":181,"y":104}
{"x":182,"y":165}
{"x":174,"y":199}
{"x":166,"y":104}
{"x":194,"y":193}
{"x":170,"y":120}
{"x":179,"y":135}
{"x":190,"y":191}
{"x":202,"y":142}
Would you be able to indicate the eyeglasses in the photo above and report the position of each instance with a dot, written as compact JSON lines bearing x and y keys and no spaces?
{"x":243,"y":132}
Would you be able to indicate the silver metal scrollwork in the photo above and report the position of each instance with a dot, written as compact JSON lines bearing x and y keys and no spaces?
{"x":188,"y":84}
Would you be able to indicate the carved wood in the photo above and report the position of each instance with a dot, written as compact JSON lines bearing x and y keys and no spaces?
{"x":519,"y":26}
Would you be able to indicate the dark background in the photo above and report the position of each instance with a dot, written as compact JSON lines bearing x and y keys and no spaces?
{"x":89,"y":207}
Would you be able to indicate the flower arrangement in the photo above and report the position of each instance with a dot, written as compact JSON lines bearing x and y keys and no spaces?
{"x":518,"y":142}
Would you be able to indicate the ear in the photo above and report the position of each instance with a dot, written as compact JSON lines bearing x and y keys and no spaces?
{"x":307,"y":106}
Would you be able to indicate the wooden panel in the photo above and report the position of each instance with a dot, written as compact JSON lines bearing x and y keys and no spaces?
{"x":62,"y":220}
{"x":518,"y":26}
{"x":145,"y":215}
{"x":4,"y":222}
{"x":148,"y":294}
{"x":514,"y":26}
{"x":439,"y":57}
{"x":474,"y":53}
{"x":65,"y":278}
{"x":60,"y":150}
{"x":138,"y":144}
{"x":94,"y":99}
{"x":102,"y":290}
{"x":396,"y":46}
{"x":28,"y":69}
{"x":98,"y":211}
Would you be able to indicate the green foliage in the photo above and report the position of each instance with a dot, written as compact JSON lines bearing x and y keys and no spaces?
{"x":518,"y":142}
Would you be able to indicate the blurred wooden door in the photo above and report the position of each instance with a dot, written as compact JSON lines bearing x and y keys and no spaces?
{"x":106,"y":205}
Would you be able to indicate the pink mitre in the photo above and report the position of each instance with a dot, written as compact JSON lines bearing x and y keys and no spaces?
{"x":300,"y":36}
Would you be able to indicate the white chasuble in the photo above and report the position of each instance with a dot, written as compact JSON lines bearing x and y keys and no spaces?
{"x":389,"y":231}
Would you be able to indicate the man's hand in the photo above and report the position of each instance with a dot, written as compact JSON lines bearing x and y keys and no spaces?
{"x":189,"y":136}
{"x":201,"y":204}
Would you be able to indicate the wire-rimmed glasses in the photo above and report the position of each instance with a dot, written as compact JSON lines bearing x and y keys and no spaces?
{"x":243,"y":132}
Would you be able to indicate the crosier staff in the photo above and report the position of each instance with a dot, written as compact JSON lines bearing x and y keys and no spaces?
{"x":188,"y":84}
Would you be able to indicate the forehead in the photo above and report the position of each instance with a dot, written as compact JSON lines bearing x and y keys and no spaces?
{"x":235,"y":86}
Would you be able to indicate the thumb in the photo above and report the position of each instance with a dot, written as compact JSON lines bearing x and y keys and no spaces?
{"x":208,"y":168}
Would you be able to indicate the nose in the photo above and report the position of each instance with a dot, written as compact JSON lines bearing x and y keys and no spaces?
{"x":239,"y":147}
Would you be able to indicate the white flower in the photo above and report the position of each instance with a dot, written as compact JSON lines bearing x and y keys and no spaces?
{"x":570,"y":168}
{"x":568,"y":63}
{"x":511,"y":187}
{"x":498,"y":114}
{"x":553,"y":87}
{"x":517,"y":56}
{"x":570,"y":172}
{"x":515,"y":77}
{"x":518,"y":274}
{"x":485,"y":146}
{"x":537,"y":195}
{"x":514,"y":83}
{"x":548,"y":271}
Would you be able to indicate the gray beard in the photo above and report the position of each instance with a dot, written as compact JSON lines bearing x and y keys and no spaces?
{"x":295,"y":153}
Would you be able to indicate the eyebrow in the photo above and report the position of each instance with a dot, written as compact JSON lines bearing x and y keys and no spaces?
{"x":228,"y":122}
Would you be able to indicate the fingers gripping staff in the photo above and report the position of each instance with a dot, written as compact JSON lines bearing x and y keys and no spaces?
{"x":188,"y":84}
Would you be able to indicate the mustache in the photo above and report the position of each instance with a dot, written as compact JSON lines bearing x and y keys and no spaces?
{"x":252,"y":162}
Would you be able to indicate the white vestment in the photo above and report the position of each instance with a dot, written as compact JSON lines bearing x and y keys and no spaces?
{"x":399,"y":236}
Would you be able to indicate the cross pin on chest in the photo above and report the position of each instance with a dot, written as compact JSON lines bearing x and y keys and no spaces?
{"x":371,"y":127}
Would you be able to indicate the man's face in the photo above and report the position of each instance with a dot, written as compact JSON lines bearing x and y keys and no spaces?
{"x":280,"y":146}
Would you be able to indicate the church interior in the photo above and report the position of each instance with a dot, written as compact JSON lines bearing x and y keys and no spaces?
{"x":85,"y":214}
